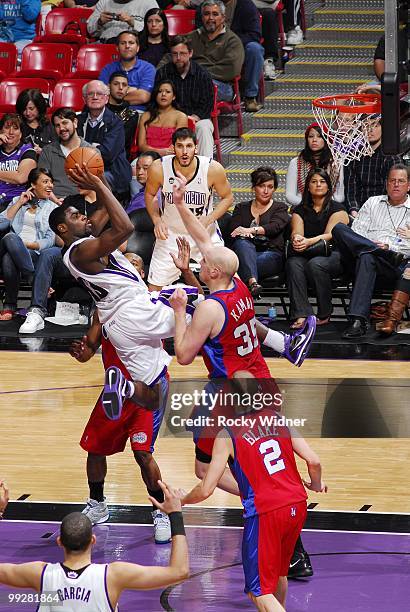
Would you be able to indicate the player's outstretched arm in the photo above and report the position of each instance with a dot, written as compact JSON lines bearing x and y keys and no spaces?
{"x":220,"y":454}
{"x":84,"y":349}
{"x":302,"y":448}
{"x":121,"y":225}
{"x":181,"y":261}
{"x":22,"y":575}
{"x":154,"y":182}
{"x":131,"y":576}
{"x":193,"y":226}
{"x":188,"y":339}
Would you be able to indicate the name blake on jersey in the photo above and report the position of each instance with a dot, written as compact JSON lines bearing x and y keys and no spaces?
{"x":240,"y":307}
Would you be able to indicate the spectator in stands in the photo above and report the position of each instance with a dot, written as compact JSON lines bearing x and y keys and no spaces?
{"x":366,"y":177}
{"x":154,"y":40}
{"x":194,"y":91}
{"x":18,"y":22}
{"x":270,"y":33}
{"x":141,"y":75}
{"x":140,"y":168}
{"x":29,"y":249}
{"x":111,"y":17}
{"x":309,"y":260}
{"x":74,"y":3}
{"x":53,"y":155}
{"x":218,"y":49}
{"x":315,"y":154}
{"x":118,"y":85}
{"x":294,"y":31}
{"x":373,"y":246}
{"x":98,"y":125}
{"x":258,"y":230}
{"x":16,"y":159}
{"x":36,"y":128}
{"x":161,"y":120}
{"x":243,"y":19}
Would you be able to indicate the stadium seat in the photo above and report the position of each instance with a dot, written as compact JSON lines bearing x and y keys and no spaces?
{"x":45,"y":60}
{"x":8,"y":58}
{"x":11,"y":87}
{"x":58,"y":19}
{"x":180,"y":21}
{"x":68,"y":92}
{"x":91,"y":59}
{"x":226,"y":107}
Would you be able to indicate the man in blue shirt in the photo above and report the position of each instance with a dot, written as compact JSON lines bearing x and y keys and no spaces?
{"x":18,"y":21}
{"x":141,"y":75}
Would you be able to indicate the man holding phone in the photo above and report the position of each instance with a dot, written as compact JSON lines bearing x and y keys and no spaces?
{"x":110,"y":17}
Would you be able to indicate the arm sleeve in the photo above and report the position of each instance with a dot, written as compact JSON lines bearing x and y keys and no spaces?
{"x":147,"y":78}
{"x":293,"y":197}
{"x":30,"y":10}
{"x":29,"y":154}
{"x":236,"y":219}
{"x":114,"y":141}
{"x":279,"y":220}
{"x":44,"y":159}
{"x":362,"y":223}
{"x":92,"y":23}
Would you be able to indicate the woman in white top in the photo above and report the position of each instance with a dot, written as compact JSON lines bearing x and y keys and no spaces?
{"x":316,"y":154}
{"x":20,"y":249}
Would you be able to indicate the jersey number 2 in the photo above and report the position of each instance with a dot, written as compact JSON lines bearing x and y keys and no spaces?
{"x":271,"y":460}
{"x":248,"y":333}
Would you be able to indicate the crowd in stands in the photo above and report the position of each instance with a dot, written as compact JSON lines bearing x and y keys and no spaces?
{"x":335,"y":221}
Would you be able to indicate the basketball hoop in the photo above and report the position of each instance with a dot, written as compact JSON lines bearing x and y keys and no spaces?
{"x":346,"y":120}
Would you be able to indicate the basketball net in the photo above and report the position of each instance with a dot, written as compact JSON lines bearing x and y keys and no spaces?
{"x":346,"y":121}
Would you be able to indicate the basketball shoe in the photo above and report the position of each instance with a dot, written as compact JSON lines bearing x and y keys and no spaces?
{"x":162,"y":527}
{"x":116,"y":389}
{"x":297,"y":344}
{"x":300,"y":565}
{"x":96,"y":511}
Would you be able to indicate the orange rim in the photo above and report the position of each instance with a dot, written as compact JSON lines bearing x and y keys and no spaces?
{"x":362,"y":103}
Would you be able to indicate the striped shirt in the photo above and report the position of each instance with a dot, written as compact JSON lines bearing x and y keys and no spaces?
{"x":366,"y":177}
{"x":379,"y":221}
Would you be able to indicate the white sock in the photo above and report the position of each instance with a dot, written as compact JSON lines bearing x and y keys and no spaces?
{"x":275,"y":340}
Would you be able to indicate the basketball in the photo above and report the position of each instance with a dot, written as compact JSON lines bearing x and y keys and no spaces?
{"x":85,"y":155}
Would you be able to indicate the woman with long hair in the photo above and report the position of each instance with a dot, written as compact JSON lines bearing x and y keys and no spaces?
{"x":315,"y":154}
{"x":31,"y":235}
{"x":154,"y":40}
{"x":257,"y":228}
{"x":310,"y":262}
{"x":36,"y":128}
{"x":160,"y":121}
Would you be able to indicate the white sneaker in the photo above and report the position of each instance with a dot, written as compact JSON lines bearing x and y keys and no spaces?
{"x":34,"y":322}
{"x":269,"y":71}
{"x":162,"y":527}
{"x":295,"y":36}
{"x":96,"y":511}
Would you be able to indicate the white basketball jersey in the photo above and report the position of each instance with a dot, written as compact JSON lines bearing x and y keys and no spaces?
{"x":198,"y":196}
{"x":84,"y":592}
{"x":115,"y":286}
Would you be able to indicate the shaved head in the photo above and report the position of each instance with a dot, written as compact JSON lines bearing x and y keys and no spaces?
{"x":224,"y":259}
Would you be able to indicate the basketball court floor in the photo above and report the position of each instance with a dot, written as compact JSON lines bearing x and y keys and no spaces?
{"x":358,"y":535}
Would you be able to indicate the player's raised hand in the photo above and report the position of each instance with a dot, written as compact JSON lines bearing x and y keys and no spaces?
{"x":178,"y":189}
{"x":181,"y":260}
{"x":81,"y":350}
{"x":4,"y":496}
{"x":319,"y":487}
{"x":172,"y":500}
{"x":178,"y":300}
{"x":160,"y":230}
{"x":83,"y":178}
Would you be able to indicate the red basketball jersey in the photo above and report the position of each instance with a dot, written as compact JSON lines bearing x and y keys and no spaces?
{"x":264,"y":464}
{"x":236,"y":347}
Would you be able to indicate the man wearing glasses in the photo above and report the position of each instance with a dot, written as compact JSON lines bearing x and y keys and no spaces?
{"x":105,"y":131}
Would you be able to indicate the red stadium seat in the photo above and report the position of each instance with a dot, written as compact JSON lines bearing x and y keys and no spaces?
{"x":91,"y":59}
{"x":8,"y":58}
{"x":58,"y":19}
{"x":68,"y":92}
{"x":45,"y":60}
{"x":11,"y":87}
{"x":226,"y":107}
{"x":180,"y":21}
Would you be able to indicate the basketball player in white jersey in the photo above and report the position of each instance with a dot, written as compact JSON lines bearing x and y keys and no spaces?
{"x":78,"y":585}
{"x":203,"y":176}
